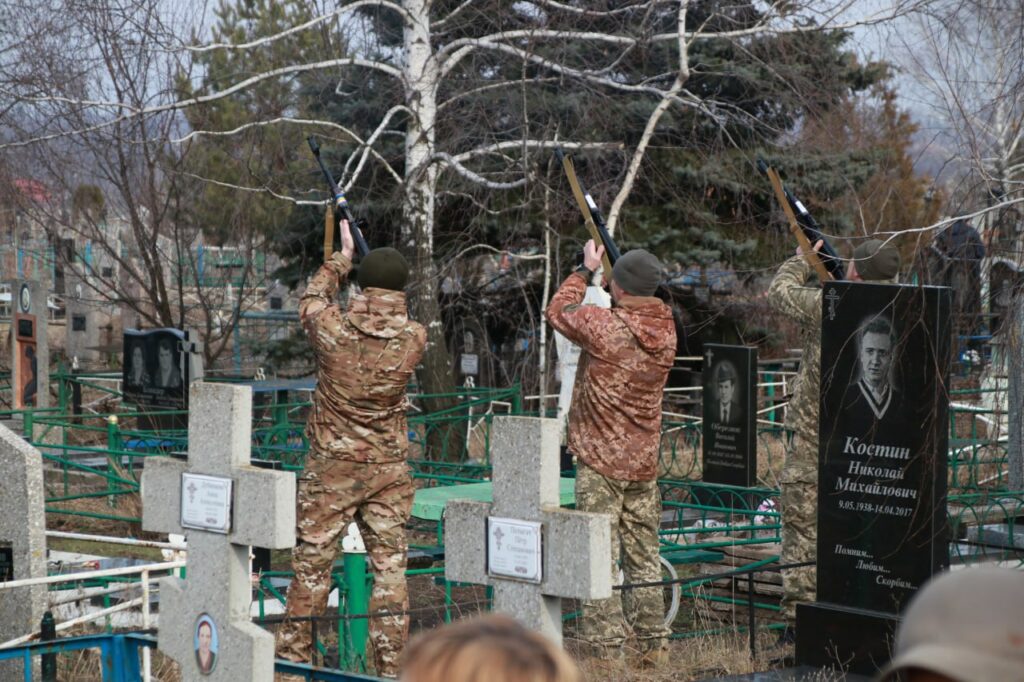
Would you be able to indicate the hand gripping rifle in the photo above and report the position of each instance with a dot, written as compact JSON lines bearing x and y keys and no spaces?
{"x":803,"y":226}
{"x":591,"y":214}
{"x":342,"y":204}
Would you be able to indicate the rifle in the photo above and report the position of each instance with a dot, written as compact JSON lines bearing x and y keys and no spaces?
{"x":596,"y":226}
{"x":342,"y":204}
{"x":803,"y":226}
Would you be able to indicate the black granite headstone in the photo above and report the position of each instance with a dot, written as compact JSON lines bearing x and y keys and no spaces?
{"x":6,"y":563}
{"x":730,"y":415}
{"x":882,"y":531}
{"x":156,"y":368}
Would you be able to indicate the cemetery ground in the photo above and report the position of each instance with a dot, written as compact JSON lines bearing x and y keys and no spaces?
{"x":692,"y":658}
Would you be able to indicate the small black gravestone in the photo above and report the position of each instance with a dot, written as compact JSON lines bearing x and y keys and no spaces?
{"x":6,"y":562}
{"x":730,"y":415}
{"x":885,"y":354}
{"x":156,"y":368}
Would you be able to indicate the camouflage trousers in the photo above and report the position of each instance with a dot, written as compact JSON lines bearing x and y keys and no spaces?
{"x":635,"y":508}
{"x":332,"y":494}
{"x":799,"y":501}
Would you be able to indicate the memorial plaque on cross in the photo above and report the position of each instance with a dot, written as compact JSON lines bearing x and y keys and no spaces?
{"x":224,"y":505}
{"x":531,"y":551}
{"x":730,"y":415}
{"x":882,"y":531}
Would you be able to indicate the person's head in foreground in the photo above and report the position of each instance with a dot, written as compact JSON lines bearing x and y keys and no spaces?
{"x":963,"y":626}
{"x":493,"y":648}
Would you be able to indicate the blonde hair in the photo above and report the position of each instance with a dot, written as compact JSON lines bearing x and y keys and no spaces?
{"x":492,"y":648}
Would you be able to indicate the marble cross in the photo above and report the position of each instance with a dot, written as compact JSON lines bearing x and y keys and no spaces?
{"x":224,"y":505}
{"x":575,"y":547}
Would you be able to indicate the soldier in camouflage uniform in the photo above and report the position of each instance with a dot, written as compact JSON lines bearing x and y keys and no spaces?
{"x":356,"y":466}
{"x":789,"y":294}
{"x":615,"y":430}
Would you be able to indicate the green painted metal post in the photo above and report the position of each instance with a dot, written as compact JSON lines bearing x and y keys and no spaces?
{"x":769,"y":393}
{"x":62,"y":389}
{"x":113,"y":445}
{"x":27,"y":419}
{"x":357,"y":602}
{"x":48,"y":633}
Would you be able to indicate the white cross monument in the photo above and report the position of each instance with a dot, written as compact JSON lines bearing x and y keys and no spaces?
{"x":533,"y":552}
{"x":224,"y":505}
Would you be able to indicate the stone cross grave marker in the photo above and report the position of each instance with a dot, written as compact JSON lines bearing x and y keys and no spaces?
{"x":557,"y":553}
{"x":224,"y":505}
{"x":22,"y":542}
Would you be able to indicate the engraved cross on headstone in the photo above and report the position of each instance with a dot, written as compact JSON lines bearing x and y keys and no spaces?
{"x":832,"y":297}
{"x":575,"y":546}
{"x":218,"y":588}
{"x":709,"y":355}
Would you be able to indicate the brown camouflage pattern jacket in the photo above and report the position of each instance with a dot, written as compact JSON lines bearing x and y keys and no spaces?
{"x":615,"y":415}
{"x":365,"y":357}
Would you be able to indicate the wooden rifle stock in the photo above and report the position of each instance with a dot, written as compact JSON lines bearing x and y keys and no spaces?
{"x":826,"y":263}
{"x":591,"y":214}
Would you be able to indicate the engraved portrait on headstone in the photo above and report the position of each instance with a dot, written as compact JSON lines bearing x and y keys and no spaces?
{"x":135,"y":364}
{"x":726,"y":407}
{"x":156,"y":368}
{"x":873,"y":394}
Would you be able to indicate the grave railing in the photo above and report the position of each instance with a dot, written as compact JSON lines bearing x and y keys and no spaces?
{"x":120,"y":656}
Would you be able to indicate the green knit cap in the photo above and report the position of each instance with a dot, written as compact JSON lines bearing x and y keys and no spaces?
{"x":383,"y":268}
{"x":638,"y":272}
{"x":876,"y":260}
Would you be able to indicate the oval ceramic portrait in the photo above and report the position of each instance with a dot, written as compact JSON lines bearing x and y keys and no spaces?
{"x":206,"y":643}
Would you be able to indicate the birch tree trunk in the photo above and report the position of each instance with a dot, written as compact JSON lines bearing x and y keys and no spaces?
{"x":421,"y":83}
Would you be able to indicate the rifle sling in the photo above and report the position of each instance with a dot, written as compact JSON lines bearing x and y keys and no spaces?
{"x":328,"y":232}
{"x":577,"y":191}
{"x":805,"y":244}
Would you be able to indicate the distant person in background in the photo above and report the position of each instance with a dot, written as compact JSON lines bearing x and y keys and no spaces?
{"x":168,"y":374}
{"x":962,"y":626}
{"x":493,"y":648}
{"x":137,"y":374}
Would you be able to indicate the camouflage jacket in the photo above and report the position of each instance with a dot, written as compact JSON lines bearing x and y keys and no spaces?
{"x":789,"y":296}
{"x":615,"y":414}
{"x":365,"y":357}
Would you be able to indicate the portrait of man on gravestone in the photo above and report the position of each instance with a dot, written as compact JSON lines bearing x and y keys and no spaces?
{"x":872,"y":391}
{"x":138,"y":377}
{"x":726,"y":408}
{"x":206,"y":644}
{"x":168,"y":374}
